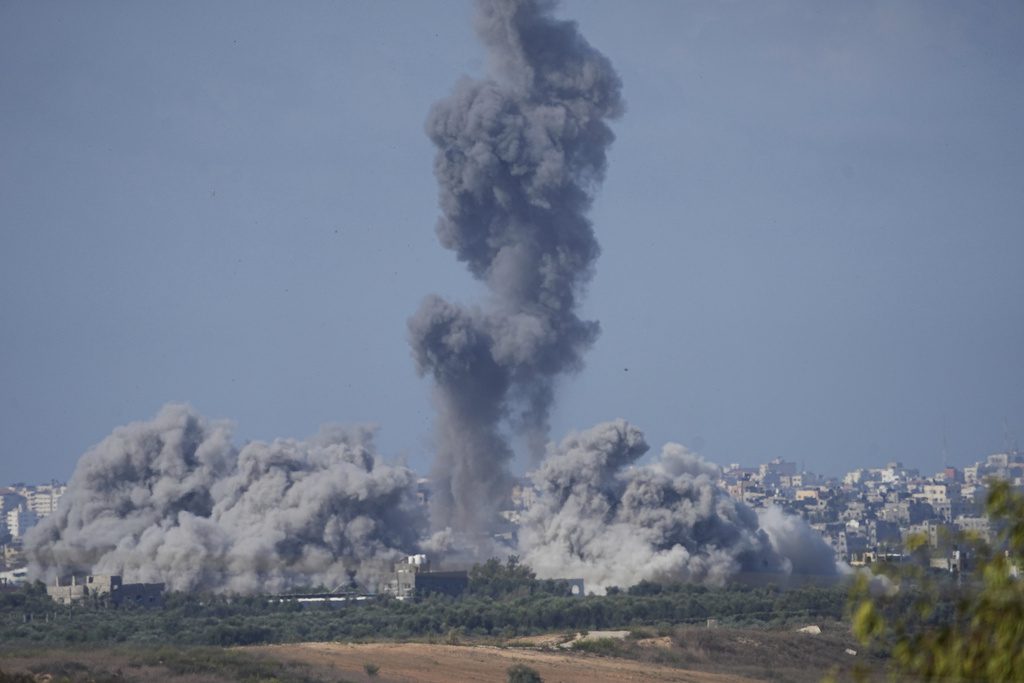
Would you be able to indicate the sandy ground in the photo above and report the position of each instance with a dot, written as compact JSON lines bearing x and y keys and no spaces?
{"x":401,"y":662}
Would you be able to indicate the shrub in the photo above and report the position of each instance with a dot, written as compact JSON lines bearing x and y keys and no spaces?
{"x":520,"y":673}
{"x":983,"y":638}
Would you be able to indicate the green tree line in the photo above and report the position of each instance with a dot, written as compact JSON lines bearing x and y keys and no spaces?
{"x":504,"y":599}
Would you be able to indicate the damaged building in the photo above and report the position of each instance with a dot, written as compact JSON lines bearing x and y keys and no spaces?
{"x":413,"y":577}
{"x":108,"y":588}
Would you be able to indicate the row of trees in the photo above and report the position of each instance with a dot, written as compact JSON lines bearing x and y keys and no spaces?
{"x":939,"y":630}
{"x":501,"y":602}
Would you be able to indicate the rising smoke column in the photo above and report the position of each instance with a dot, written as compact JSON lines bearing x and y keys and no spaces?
{"x":171,"y":500}
{"x":518,"y":158}
{"x":598,"y":516}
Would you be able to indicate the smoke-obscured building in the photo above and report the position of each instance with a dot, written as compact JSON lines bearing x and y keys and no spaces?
{"x":14,"y":577}
{"x":9,"y":500}
{"x":108,"y":587}
{"x":42,"y":499}
{"x":413,"y":577}
{"x":20,"y":520}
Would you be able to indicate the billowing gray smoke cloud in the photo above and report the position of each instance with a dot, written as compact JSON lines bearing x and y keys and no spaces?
{"x":519,"y":155}
{"x":598,"y":516}
{"x":803,"y":548}
{"x":172,"y":500}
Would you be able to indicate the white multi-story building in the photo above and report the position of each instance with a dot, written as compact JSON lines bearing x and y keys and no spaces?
{"x":42,"y":500}
{"x":20,"y":520}
{"x":935,"y":493}
{"x":998,"y":460}
{"x":9,"y":500}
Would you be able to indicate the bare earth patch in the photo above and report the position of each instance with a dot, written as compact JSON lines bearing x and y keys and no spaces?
{"x":664,"y":642}
{"x":685,"y":653}
{"x":402,"y":662}
{"x":542,"y":641}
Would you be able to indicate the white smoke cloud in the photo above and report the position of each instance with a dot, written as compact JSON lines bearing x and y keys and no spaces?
{"x":172,"y":500}
{"x":803,"y":549}
{"x":601,"y":517}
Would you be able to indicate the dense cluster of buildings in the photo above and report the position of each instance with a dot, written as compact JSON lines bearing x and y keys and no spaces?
{"x":870,"y":513}
{"x":21,"y":508}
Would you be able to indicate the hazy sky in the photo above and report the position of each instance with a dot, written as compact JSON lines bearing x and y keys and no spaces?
{"x":812,"y":224}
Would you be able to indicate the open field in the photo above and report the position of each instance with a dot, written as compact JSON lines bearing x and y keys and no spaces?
{"x":692,"y":654}
{"x":431,"y":663}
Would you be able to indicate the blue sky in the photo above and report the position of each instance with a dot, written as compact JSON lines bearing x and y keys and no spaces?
{"x":812,"y":225}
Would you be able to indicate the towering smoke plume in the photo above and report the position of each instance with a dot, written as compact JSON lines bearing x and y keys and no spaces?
{"x":172,"y":500}
{"x":599,"y":517}
{"x":519,"y":155}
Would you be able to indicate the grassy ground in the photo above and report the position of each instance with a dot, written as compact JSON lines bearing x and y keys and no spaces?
{"x":685,"y":653}
{"x":169,"y":663}
{"x":783,"y":655}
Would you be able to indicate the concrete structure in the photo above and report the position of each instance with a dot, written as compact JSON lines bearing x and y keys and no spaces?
{"x":980,"y":526}
{"x":105,"y":586}
{"x":998,"y":460}
{"x":935,"y":531}
{"x":138,"y":595}
{"x":414,"y":577}
{"x":403,"y":582}
{"x":423,"y":492}
{"x":935,"y":493}
{"x":14,"y":577}
{"x":574,"y":587}
{"x":12,"y":555}
{"x":71,"y":590}
{"x":20,"y":520}
{"x":10,"y":499}
{"x":42,"y":500}
{"x":444,"y":583}
{"x":808,"y":494}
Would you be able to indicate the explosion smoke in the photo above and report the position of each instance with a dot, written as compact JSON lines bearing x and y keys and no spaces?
{"x":518,"y":157}
{"x":171,"y":500}
{"x":598,"y":517}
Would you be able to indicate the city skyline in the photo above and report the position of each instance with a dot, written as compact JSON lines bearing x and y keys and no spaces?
{"x":725,"y":467}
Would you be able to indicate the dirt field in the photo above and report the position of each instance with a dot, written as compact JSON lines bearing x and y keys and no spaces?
{"x":426,"y":663}
{"x":693,"y":654}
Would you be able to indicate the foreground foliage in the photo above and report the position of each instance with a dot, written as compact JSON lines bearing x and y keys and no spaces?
{"x":981,"y":636}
